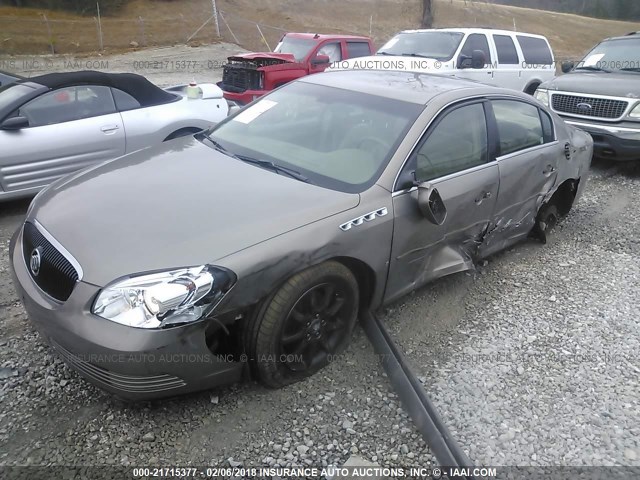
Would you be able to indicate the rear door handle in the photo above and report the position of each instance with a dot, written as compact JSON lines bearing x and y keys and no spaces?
{"x":109,"y":128}
{"x":484,"y":196}
{"x":549,"y":170}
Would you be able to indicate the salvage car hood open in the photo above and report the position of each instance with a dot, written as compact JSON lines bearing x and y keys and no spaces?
{"x":261,"y":59}
{"x":597,"y":83}
{"x":178,"y":204}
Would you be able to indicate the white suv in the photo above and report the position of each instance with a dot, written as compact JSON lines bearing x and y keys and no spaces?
{"x":516,"y":60}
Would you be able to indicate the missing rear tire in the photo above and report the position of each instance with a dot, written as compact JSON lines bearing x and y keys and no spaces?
{"x":547,"y":219}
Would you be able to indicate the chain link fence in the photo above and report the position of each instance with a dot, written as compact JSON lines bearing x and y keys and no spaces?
{"x":190,"y":22}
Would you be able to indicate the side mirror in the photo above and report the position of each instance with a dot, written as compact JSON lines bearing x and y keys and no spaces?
{"x":14,"y":123}
{"x":431,"y":205}
{"x":567,"y":66}
{"x":320,"y":60}
{"x":478,"y":59}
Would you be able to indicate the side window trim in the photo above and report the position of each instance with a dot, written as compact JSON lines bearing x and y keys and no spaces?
{"x":408,"y":169}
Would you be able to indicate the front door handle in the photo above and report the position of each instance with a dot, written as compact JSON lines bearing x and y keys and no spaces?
{"x":484,"y":196}
{"x":109,"y":128}
{"x":549,"y":170}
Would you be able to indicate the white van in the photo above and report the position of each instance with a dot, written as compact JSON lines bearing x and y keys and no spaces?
{"x":503,"y":58}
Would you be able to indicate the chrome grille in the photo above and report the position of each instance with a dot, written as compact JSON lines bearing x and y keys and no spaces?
{"x":57,"y":277}
{"x":605,"y":108}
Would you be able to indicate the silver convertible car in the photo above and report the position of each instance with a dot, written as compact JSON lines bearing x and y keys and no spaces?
{"x":58,"y":123}
{"x":250,"y":248}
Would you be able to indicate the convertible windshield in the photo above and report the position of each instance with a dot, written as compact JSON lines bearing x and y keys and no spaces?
{"x":331,"y":137}
{"x":438,"y":45}
{"x":621,"y":54}
{"x":298,"y":47}
{"x":12,"y":92}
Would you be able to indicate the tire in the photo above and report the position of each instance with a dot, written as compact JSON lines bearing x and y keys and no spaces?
{"x":183,"y":132}
{"x":547,"y":219}
{"x":314,"y":311}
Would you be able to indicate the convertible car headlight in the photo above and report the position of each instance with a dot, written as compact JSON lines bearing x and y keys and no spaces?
{"x":635,"y":113}
{"x":164,"y":299}
{"x":542,"y":96}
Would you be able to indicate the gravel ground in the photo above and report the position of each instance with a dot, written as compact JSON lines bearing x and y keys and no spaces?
{"x":539,"y":305}
{"x":164,"y":66}
{"x":538,"y":362}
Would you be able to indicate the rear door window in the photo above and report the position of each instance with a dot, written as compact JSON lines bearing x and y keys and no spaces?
{"x":124,"y":101}
{"x":536,"y":51}
{"x":507,"y":53}
{"x":358,"y":49}
{"x":519,"y":126}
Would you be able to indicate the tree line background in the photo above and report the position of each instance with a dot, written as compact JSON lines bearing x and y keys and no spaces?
{"x":611,"y":9}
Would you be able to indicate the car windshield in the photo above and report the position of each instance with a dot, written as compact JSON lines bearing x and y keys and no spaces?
{"x":622,"y":54}
{"x":298,"y":47}
{"x":12,"y":92}
{"x":331,"y":137}
{"x":438,"y":45}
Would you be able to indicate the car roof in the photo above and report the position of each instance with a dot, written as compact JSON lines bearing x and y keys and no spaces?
{"x":628,"y":36}
{"x":412,"y":87}
{"x":325,"y":36}
{"x":474,"y":30}
{"x":145,"y":92}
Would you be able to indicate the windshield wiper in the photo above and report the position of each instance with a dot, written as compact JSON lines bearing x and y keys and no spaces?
{"x":218,"y":146}
{"x":593,"y":69}
{"x":630,"y":69}
{"x":274,"y":167}
{"x":414,"y":55}
{"x":384,"y":53}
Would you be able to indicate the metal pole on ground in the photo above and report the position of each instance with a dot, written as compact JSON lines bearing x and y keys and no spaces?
{"x":99,"y":22}
{"x":46,"y":21}
{"x":263,"y":39}
{"x":215,"y":16}
{"x":229,"y":28}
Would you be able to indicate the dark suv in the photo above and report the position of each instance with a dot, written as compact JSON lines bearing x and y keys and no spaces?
{"x":601,"y":95}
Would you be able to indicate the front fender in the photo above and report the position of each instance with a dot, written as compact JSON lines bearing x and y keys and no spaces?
{"x":262,"y":268}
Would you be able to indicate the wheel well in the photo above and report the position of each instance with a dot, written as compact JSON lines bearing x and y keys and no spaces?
{"x":531,"y":88}
{"x":365,"y":276}
{"x":564,"y":196}
{"x":182,"y":132}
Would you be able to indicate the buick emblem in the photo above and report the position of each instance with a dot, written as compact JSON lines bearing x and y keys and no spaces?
{"x":584,"y":107}
{"x":36,"y":258}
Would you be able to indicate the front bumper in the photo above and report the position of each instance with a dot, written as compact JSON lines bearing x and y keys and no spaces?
{"x":612,"y":141}
{"x":132,"y":363}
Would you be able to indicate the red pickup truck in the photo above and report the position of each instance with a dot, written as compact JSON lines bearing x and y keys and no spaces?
{"x":248,"y":76}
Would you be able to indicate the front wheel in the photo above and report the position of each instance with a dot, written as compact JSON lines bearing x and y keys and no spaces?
{"x":307,"y":321}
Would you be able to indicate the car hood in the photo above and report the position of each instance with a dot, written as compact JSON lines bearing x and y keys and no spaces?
{"x":597,"y":83}
{"x":178,"y":204}
{"x":260,"y":58}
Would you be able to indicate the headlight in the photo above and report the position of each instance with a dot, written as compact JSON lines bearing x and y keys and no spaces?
{"x":635,"y":113}
{"x":164,"y":299}
{"x":542,"y":96}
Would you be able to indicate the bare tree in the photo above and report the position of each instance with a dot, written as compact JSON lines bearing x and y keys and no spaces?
{"x":427,"y":14}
